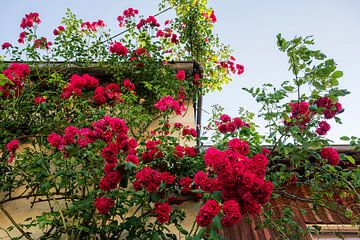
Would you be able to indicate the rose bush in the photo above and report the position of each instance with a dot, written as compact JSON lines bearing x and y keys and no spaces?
{"x":81,"y":141}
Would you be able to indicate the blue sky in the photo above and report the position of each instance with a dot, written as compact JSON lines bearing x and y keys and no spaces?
{"x":250,"y":28}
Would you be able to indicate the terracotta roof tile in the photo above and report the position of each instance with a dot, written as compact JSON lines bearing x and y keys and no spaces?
{"x":250,"y":230}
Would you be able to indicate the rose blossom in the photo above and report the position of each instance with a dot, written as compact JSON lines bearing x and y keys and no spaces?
{"x":104,"y":204}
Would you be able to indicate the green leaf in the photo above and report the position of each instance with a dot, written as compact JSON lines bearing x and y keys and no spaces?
{"x":197,"y":191}
{"x":334,"y":82}
{"x":155,"y":236}
{"x":350,"y":159}
{"x":289,"y":88}
{"x":216,"y":222}
{"x":214,"y":235}
{"x":182,"y":230}
{"x":337,"y":74}
{"x":345,"y":138}
{"x":217,"y":196}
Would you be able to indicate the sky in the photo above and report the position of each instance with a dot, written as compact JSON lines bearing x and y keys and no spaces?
{"x":250,"y":28}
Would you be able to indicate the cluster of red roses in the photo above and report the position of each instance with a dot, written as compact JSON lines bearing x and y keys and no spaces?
{"x":300,"y":114}
{"x":181,"y":151}
{"x":128,"y":13}
{"x":331,"y":155}
{"x":230,"y":208}
{"x":151,"y":179}
{"x":163,"y":211}
{"x":323,"y":128}
{"x":330,"y":109}
{"x":118,"y":49}
{"x":11,"y":147}
{"x":228,"y":125}
{"x":42,"y":43}
{"x":77,"y":84}
{"x":167,"y":102}
{"x":137,"y":53}
{"x":186,"y":186}
{"x":102,"y":95}
{"x":22,"y":37}
{"x":188,"y":131}
{"x":168,"y":33}
{"x":16,"y":73}
{"x":112,"y":131}
{"x":124,"y":144}
{"x":129,"y":85}
{"x":93,"y":26}
{"x":110,"y":92}
{"x":239,"y":178}
{"x":232,"y":67}
{"x":58,"y":30}
{"x":29,"y":20}
{"x":152,"y":152}
{"x":150,"y":21}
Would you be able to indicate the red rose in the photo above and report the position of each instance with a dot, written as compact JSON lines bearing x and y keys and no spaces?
{"x":39,"y":99}
{"x":56,"y":141}
{"x":225,"y":118}
{"x":231,"y":127}
{"x":105,"y":184}
{"x":104,"y":204}
{"x":163,"y":211}
{"x":118,"y":49}
{"x":331,"y":155}
{"x":232,"y":213}
{"x":238,"y":122}
{"x":118,"y":125}
{"x":223,"y":128}
{"x":207,"y":212}
{"x":167,"y":178}
{"x":240,"y":146}
{"x":114,"y":178}
{"x":109,"y":153}
{"x":248,"y":179}
{"x":199,"y":178}
{"x":137,"y":186}
{"x":190,"y":151}
{"x":12,"y":145}
{"x":128,"y":85}
{"x":179,"y":151}
{"x":132,"y":158}
{"x":323,"y":128}
{"x":185,"y":181}
{"x":181,"y":75}
{"x":265,"y":151}
{"x":6,"y":45}
{"x":260,"y":159}
{"x":210,"y":185}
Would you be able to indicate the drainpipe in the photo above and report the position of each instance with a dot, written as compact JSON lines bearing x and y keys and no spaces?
{"x":197,"y":68}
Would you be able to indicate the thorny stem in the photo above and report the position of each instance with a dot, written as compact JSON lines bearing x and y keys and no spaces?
{"x":62,"y":218}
